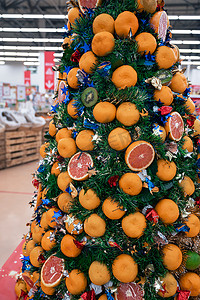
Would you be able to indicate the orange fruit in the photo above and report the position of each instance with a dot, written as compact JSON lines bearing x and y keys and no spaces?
{"x":39,"y":196}
{"x":188,"y":186}
{"x":47,"y":290}
{"x":52,"y":128}
{"x":72,"y":78}
{"x":164,"y":95}
{"x":44,"y":193}
{"x":99,"y":273}
{"x":63,"y":133}
{"x":66,"y":42}
{"x":89,"y":199}
{"x":55,"y":169}
{"x":124,"y":268}
{"x":131,"y":184}
{"x":34,"y":255}
{"x":165,"y":57}
{"x":190,"y":282}
{"x":119,"y":138}
{"x":26,"y":274}
{"x":139,"y":155}
{"x":167,"y":210}
{"x":51,"y":220}
{"x":104,"y":112}
{"x":128,"y":114}
{"x":36,"y":277}
{"x":94,"y":226}
{"x":103,"y":297}
{"x":103,"y":43}
{"x":166,"y":170}
{"x":103,"y":22}
{"x":76,"y":282}
{"x":37,"y":233}
{"x":124,"y":76}
{"x":72,"y":109}
{"x":72,"y":227}
{"x":66,"y":147}
{"x":172,"y":257}
{"x":176,"y":52}
{"x":43,"y":149}
{"x":84,"y":5}
{"x":64,"y":202}
{"x":175,"y":126}
{"x":147,"y":5}
{"x":33,"y":224}
{"x":146,"y":43}
{"x":196,"y":127}
{"x":47,"y":243}
{"x":73,"y":14}
{"x":79,"y":165}
{"x":159,"y":131}
{"x":88,"y":62}
{"x":178,"y":83}
{"x":170,"y":285}
{"x":43,"y":221}
{"x":190,"y":105}
{"x":112,"y":209}
{"x":125,"y":22}
{"x":194,"y":224}
{"x":68,"y":246}
{"x":84,"y":140}
{"x":159,"y":23}
{"x":52,"y":271}
{"x":134,"y":225}
{"x":27,"y":247}
{"x":19,"y":287}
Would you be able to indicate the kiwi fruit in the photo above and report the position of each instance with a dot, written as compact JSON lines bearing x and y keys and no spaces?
{"x":164,"y":75}
{"x":89,"y":97}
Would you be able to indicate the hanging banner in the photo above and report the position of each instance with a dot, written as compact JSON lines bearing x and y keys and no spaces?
{"x":27,"y":77}
{"x":48,"y":72}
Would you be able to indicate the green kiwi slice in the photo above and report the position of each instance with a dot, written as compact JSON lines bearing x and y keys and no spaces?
{"x":89,"y":97}
{"x":164,"y":75}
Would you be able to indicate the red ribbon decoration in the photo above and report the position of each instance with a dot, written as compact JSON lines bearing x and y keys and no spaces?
{"x":163,"y":291}
{"x":89,"y":295}
{"x":183,"y":295}
{"x":60,"y":158}
{"x":197,"y":201}
{"x":41,"y":259}
{"x":190,"y":121}
{"x":79,"y":245}
{"x":112,"y":181}
{"x":114,"y":244}
{"x":35,"y":183}
{"x":165,"y":110}
{"x":152,"y":215}
{"x":23,"y":295}
{"x":76,"y":56}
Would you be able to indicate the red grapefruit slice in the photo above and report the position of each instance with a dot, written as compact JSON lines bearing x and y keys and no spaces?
{"x":129,"y":291}
{"x":52,"y":270}
{"x":79,"y":165}
{"x":61,"y":94}
{"x":83,"y":4}
{"x":139,"y":155}
{"x":160,"y":22}
{"x":175,"y":126}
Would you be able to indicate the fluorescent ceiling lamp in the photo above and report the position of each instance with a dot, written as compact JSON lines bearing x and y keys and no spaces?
{"x":190,"y":57}
{"x":31,"y":48}
{"x":56,"y":60}
{"x":58,"y":54}
{"x":18,"y":54}
{"x":29,"y":63}
{"x":30,"y":16}
{"x":2,"y":62}
{"x":180,"y":42}
{"x":31,"y":40}
{"x":9,"y":29}
{"x":189,"y":50}
{"x":185,"y":31}
{"x":175,"y":17}
{"x":18,"y":59}
{"x":198,"y":67}
{"x":195,"y":63}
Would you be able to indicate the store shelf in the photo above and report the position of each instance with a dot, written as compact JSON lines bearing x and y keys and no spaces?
{"x":2,"y":151}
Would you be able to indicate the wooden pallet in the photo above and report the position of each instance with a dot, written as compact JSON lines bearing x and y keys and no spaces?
{"x":45,"y":129}
{"x":22,"y":146}
{"x":2,"y":151}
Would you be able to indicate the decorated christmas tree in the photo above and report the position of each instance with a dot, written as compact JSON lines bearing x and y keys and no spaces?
{"x":117,"y":202}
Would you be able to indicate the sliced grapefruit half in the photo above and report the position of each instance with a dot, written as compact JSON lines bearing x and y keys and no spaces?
{"x":139,"y":155}
{"x":160,"y":22}
{"x":175,"y":126}
{"x":52,"y":271}
{"x":79,"y":165}
{"x":61,"y":91}
{"x":84,"y":4}
{"x":129,"y":291}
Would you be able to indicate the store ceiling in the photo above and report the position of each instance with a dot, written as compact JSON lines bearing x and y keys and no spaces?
{"x":8,"y":38}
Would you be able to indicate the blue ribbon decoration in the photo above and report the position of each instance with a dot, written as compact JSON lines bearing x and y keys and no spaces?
{"x":41,"y":169}
{"x":150,"y":184}
{"x":64,"y":90}
{"x":54,"y":107}
{"x":45,"y":201}
{"x":85,"y":47}
{"x":198,"y":163}
{"x":68,"y":190}
{"x":90,"y":125}
{"x":187,"y":92}
{"x":57,"y":215}
{"x":181,"y":228}
{"x":67,"y":99}
{"x":108,"y":294}
{"x":104,"y":69}
{"x":67,"y":69}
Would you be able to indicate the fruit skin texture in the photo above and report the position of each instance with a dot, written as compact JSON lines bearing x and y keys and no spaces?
{"x":190,"y":105}
{"x":72,"y":79}
{"x":76,"y":283}
{"x":119,"y":138}
{"x":51,"y":221}
{"x":47,"y":290}
{"x":170,"y":284}
{"x":190,"y":282}
{"x":188,"y":144}
{"x":131,"y":184}
{"x":188,"y":185}
{"x":124,"y":22}
{"x":165,"y":57}
{"x":124,"y":76}
{"x":52,"y":128}
{"x":27,"y":247}
{"x":73,"y":14}
{"x":84,"y":140}
{"x":104,"y":112}
{"x":63,"y":181}
{"x":66,"y":147}
{"x":146,"y":43}
{"x":34,"y":254}
{"x":166,"y":170}
{"x":124,"y":268}
{"x":99,"y":273}
{"x":63,"y":133}
{"x":72,"y":109}
{"x":128,"y":114}
{"x":167,"y":210}
{"x":146,"y":5}
{"x":46,"y":243}
{"x":134,"y":225}
{"x":193,"y":223}
{"x":89,"y":199}
{"x":196,"y":127}
{"x":68,"y":246}
{"x":95,"y":226}
{"x":88,"y":61}
{"x":164,"y":95}
{"x":43,"y":150}
{"x":178,"y":83}
{"x":172,"y":257}
{"x":103,"y":22}
{"x":20,"y":286}
{"x":170,"y":126}
{"x":112,"y":209}
{"x":103,"y":43}
{"x":64,"y":202}
{"x":192,"y":260}
{"x":55,"y":169}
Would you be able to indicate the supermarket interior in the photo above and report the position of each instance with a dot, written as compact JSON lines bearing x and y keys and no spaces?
{"x":32,"y":42}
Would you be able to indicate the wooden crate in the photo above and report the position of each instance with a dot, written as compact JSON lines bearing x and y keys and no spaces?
{"x":45,"y":128}
{"x":22,"y":146}
{"x":2,"y":151}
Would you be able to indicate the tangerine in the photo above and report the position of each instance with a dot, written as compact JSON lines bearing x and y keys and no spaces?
{"x":52,"y":128}
{"x":99,"y":273}
{"x":66,"y":147}
{"x":34,"y":255}
{"x":94,"y":226}
{"x":164,"y":95}
{"x":127,"y":114}
{"x":89,"y":199}
{"x":84,"y":140}
{"x":55,"y":169}
{"x":166,"y":170}
{"x":170,"y":286}
{"x":112,"y":209}
{"x":87,"y":62}
{"x":172,"y":257}
{"x":68,"y":247}
{"x":104,"y":112}
{"x":74,"y":226}
{"x":73,"y":15}
{"x":50,"y":217}
{"x":125,"y":22}
{"x":103,"y":22}
{"x":47,"y":241}
{"x":178,"y":83}
{"x":124,"y":268}
{"x":188,"y":186}
{"x":72,"y":78}
{"x":27,"y":247}
{"x":191,"y":282}
{"x":65,"y":202}
{"x":119,"y":138}
{"x":124,"y":76}
{"x":134,"y":225}
{"x":63,"y":133}
{"x":194,"y":224}
{"x":63,"y":181}
{"x":167,"y":210}
{"x":146,"y":43}
{"x":165,"y":57}
{"x":72,"y":109}
{"x":76,"y":282}
{"x":130,"y":184}
{"x":103,"y":43}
